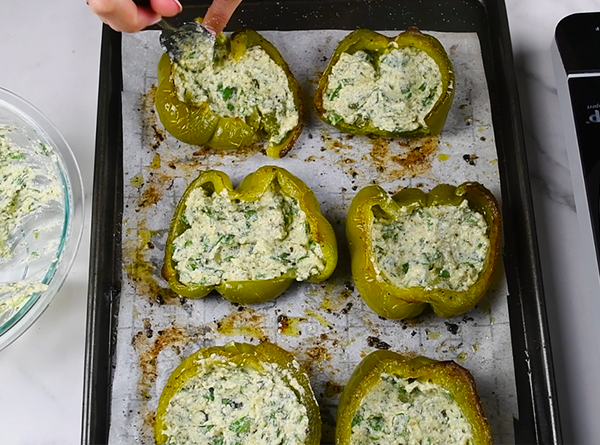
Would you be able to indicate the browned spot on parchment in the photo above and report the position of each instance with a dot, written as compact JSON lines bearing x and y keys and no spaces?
{"x":376,"y":342}
{"x":313,"y":158}
{"x":148,"y":349}
{"x":318,"y":353}
{"x":150,"y":195}
{"x":332,"y":389}
{"x":243,"y":321}
{"x":315,"y":353}
{"x":153,"y":134}
{"x":290,"y":325}
{"x":396,"y":158}
{"x":471,"y":159}
{"x":335,"y":143}
{"x":174,"y":337}
{"x":336,"y":295}
{"x":143,"y":271}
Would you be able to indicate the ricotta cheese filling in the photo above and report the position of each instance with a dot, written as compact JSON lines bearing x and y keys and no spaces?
{"x":392,"y":93}
{"x":226,"y":404}
{"x":235,"y":240}
{"x":443,"y":246}
{"x":22,"y":194}
{"x":253,"y":84}
{"x":27,"y":190}
{"x":400,"y":411}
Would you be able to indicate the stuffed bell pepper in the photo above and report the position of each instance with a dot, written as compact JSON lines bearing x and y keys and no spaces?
{"x":417,"y":249}
{"x":250,"y":243}
{"x":229,"y":94}
{"x":373,"y":84}
{"x":238,"y":394}
{"x":394,"y":399}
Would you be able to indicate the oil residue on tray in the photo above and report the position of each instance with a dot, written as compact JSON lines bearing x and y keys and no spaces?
{"x":335,"y":299}
{"x":144,"y":273}
{"x":243,"y":321}
{"x":148,"y":345}
{"x":290,"y":325}
{"x":396,"y":158}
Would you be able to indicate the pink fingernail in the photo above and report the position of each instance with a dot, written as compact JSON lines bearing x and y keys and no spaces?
{"x":178,"y":5}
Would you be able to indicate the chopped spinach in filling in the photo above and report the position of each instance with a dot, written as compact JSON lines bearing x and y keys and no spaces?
{"x":227,"y":404}
{"x":236,"y":240}
{"x":245,"y":88}
{"x":400,"y":411}
{"x":393,"y":93}
{"x":441,"y":246}
{"x":25,"y":191}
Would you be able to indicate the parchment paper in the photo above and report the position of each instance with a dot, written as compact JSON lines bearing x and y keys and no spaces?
{"x":327,"y":326}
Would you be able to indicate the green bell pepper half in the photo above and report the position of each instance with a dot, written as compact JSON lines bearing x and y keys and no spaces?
{"x":245,"y":355}
{"x":199,"y":125}
{"x":455,"y":379}
{"x":251,"y":189}
{"x":377,"y":44}
{"x":400,"y":303}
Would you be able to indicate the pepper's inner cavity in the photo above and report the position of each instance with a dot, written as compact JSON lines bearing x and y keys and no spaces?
{"x":443,"y":246}
{"x":391,"y":93}
{"x":229,"y":404}
{"x":232,"y":239}
{"x":253,"y":88}
{"x":398,"y":411}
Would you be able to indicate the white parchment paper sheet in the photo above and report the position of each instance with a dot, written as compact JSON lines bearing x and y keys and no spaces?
{"x":327,"y":326}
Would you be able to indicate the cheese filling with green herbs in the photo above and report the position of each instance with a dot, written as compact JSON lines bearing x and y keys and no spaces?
{"x":442,"y":246}
{"x":235,"y":240}
{"x":396,"y":96}
{"x":252,"y":85}
{"x":226,"y":404}
{"x":29,"y":186}
{"x":399,"y":411}
{"x":22,"y":194}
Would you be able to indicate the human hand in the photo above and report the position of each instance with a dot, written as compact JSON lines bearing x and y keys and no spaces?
{"x":127,"y":16}
{"x":218,"y":14}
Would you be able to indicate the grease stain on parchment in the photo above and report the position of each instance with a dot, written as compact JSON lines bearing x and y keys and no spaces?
{"x":148,"y":347}
{"x":144,"y":272}
{"x":397,"y":158}
{"x":291,"y":326}
{"x":243,"y":321}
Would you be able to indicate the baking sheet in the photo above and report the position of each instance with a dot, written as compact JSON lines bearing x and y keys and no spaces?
{"x":327,"y":326}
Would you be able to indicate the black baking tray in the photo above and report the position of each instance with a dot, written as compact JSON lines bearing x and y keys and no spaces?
{"x":538,"y":421}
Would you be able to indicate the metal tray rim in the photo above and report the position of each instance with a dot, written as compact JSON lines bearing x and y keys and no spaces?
{"x":538,"y":408}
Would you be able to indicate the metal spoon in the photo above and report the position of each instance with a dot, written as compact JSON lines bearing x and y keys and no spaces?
{"x":179,"y":40}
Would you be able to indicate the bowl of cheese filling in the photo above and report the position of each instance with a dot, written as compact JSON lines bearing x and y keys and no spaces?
{"x":41,"y":214}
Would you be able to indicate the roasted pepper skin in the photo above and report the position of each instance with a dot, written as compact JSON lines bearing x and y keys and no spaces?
{"x":250,"y":189}
{"x":199,"y":125}
{"x":376,"y":44}
{"x":457,"y":380}
{"x":242,"y":354}
{"x":399,"y":303}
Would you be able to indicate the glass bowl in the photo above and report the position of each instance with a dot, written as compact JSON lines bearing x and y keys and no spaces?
{"x":41,"y":214}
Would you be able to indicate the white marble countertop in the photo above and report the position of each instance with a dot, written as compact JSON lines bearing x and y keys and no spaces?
{"x":49,"y":52}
